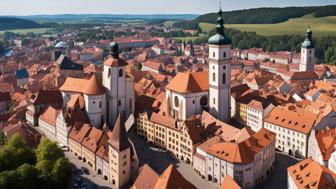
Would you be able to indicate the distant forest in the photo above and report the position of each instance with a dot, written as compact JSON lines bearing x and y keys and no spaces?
{"x":325,"y":47}
{"x":10,"y":23}
{"x":260,"y":16}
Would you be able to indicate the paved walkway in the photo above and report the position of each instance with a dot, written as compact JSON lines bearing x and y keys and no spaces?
{"x":159,"y":160}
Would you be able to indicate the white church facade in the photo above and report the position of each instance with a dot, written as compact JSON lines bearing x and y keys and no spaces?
{"x":104,"y":100}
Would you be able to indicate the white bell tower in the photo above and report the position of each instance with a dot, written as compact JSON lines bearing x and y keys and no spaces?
{"x":307,"y":53}
{"x":220,"y":72}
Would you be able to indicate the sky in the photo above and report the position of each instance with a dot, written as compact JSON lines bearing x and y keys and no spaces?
{"x":33,"y":7}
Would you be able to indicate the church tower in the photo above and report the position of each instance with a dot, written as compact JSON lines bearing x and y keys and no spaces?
{"x":119,"y":154}
{"x":307,"y":53}
{"x":220,"y":72}
{"x":114,"y":80}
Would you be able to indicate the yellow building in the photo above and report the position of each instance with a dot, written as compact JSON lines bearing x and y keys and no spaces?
{"x":178,"y":137}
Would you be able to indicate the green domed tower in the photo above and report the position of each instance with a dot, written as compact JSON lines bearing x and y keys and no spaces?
{"x":220,"y":72}
{"x":307,"y":53}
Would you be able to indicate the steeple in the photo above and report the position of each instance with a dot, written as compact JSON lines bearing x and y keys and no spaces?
{"x":220,"y":22}
{"x":219,"y":38}
{"x":119,"y":139}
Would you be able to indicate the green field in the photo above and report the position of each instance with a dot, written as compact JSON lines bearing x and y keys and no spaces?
{"x":187,"y":39}
{"x":320,"y":26}
{"x":25,"y":31}
{"x":169,"y":23}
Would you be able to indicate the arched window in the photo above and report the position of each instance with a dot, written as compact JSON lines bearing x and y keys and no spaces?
{"x":121,"y":73}
{"x":224,"y":55}
{"x":213,"y":77}
{"x":224,"y":78}
{"x":213,"y":54}
{"x":204,"y":101}
{"x":176,"y":101}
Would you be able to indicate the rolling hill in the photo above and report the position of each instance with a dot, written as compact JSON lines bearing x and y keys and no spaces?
{"x":10,"y":23}
{"x":271,"y":21}
{"x":322,"y":26}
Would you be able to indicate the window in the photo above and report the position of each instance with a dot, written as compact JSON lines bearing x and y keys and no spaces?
{"x":224,"y":55}
{"x":213,"y":54}
{"x":109,"y":72}
{"x":100,"y":104}
{"x":176,"y":101}
{"x":119,"y":102}
{"x":214,"y":77}
{"x":224,"y":78}
{"x":130,"y":103}
{"x":121,"y":73}
{"x":224,"y":67}
{"x":94,"y":102}
{"x":213,"y":101}
{"x":203,"y":101}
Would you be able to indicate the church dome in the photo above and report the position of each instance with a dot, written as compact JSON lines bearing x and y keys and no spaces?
{"x":308,"y":42}
{"x":218,"y":39}
{"x":61,"y":44}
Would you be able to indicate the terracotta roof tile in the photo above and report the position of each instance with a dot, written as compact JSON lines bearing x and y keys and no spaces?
{"x":172,"y":179}
{"x":291,"y":119}
{"x":49,"y":115}
{"x":310,"y":174}
{"x":119,"y":139}
{"x":189,"y":82}
{"x":93,"y":87}
{"x":91,"y":141}
{"x":79,"y":132}
{"x":146,"y":179}
{"x":229,"y":183}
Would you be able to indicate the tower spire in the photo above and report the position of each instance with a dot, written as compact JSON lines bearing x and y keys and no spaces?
{"x":220,"y":21}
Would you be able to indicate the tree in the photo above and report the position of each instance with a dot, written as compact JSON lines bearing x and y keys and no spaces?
{"x":27,"y":176}
{"x":2,"y":138}
{"x":61,"y":169}
{"x":45,"y":167}
{"x":48,"y":150}
{"x":15,"y":153}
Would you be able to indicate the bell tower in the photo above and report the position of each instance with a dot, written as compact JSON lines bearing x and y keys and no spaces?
{"x":220,"y":72}
{"x":307,"y":53}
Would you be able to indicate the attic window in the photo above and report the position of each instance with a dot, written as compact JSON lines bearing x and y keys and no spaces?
{"x":283,"y":120}
{"x":303,"y":126}
{"x":277,"y":117}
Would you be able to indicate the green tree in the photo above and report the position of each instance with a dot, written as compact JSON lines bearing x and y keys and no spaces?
{"x":27,"y":176}
{"x":15,"y":153}
{"x":2,"y":138}
{"x":45,"y":167}
{"x":61,"y":169}
{"x":48,"y":150}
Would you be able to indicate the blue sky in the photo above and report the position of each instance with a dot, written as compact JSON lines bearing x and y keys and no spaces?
{"x":29,"y":7}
